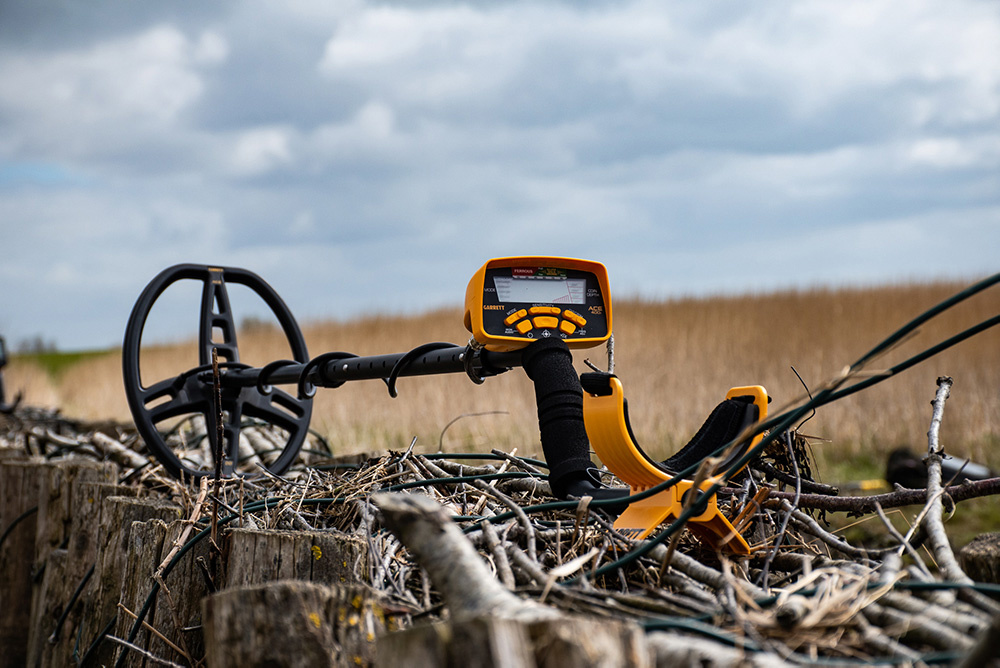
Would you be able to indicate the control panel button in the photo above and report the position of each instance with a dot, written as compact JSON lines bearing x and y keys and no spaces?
{"x":546,"y":322}
{"x":514,"y":317}
{"x":524,"y":326}
{"x":575,"y":318}
{"x":544,"y":310}
{"x":567,"y":327}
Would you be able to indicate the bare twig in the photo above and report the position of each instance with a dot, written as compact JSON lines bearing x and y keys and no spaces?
{"x":499,"y":556}
{"x":864,"y":505}
{"x":937,"y":539}
{"x":144,"y":653}
{"x":904,"y":542}
{"x":155,"y":632}
{"x":190,"y":522}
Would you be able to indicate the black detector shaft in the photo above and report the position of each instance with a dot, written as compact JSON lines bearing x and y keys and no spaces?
{"x":334,"y":369}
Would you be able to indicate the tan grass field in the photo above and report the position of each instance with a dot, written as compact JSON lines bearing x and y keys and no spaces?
{"x":676,"y":359}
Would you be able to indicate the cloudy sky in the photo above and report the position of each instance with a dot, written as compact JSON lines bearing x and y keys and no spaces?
{"x":370,"y":156}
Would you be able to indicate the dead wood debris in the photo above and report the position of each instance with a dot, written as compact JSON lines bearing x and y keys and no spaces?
{"x":416,"y":513}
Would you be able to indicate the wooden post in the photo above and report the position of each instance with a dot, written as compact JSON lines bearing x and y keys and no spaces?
{"x":54,"y":519}
{"x":176,"y":614}
{"x":145,"y":541}
{"x":495,"y":642}
{"x":480,"y":642}
{"x":55,"y":502}
{"x":980,"y":559}
{"x":584,"y":641}
{"x":117,"y":517}
{"x":19,"y":484}
{"x":257,"y":556}
{"x":291,"y":623}
{"x":80,"y":554}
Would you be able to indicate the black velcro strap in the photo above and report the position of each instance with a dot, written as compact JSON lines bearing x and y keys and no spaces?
{"x":597,"y":383}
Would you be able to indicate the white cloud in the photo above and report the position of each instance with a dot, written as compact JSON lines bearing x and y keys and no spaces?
{"x":982,"y":151}
{"x":210,"y":49}
{"x":261,"y":150}
{"x":436,"y":55}
{"x":376,"y":120}
{"x":932,"y":64}
{"x":151,"y":76}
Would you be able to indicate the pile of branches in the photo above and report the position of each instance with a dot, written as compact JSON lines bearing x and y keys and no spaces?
{"x":455,"y":535}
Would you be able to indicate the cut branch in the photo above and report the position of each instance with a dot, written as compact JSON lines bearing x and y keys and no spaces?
{"x":937,"y":539}
{"x":865,"y":505}
{"x":456,"y":569}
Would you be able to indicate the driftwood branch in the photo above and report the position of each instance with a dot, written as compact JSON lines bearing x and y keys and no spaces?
{"x":937,"y":539}
{"x":670,"y":649}
{"x":117,"y":452}
{"x":865,"y":505}
{"x":456,"y":569}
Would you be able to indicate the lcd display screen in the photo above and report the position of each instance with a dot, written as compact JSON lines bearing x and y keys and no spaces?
{"x":539,"y":290}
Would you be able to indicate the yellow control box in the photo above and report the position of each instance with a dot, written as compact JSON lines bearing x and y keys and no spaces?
{"x":513,"y":301}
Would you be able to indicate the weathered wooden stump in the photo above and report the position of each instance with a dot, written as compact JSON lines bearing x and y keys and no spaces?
{"x":56,"y":508}
{"x":494,"y":642}
{"x":116,"y":519}
{"x":87,"y":500}
{"x":582,"y":641}
{"x":482,"y":642}
{"x":258,"y":556}
{"x":980,"y":559}
{"x":291,"y":623}
{"x":20,"y":480}
{"x":56,"y":503}
{"x":176,"y":611}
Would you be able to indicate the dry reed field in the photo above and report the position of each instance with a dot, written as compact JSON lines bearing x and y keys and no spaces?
{"x":676,"y":360}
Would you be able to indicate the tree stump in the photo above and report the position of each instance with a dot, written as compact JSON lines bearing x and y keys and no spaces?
{"x":290,"y":623}
{"x":495,"y":642}
{"x":480,"y":642}
{"x":176,"y":611}
{"x":87,"y":500}
{"x":117,"y":517}
{"x":19,"y":484}
{"x":980,"y":559}
{"x":56,"y":502}
{"x":53,"y":524}
{"x":582,"y":641}
{"x":146,"y":541}
{"x":258,"y":556}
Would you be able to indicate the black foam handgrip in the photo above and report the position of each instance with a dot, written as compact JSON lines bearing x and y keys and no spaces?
{"x":559,"y":397}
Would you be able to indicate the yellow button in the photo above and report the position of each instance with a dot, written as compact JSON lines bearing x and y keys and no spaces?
{"x":514,"y":317}
{"x":544,"y":310}
{"x":546,"y":322}
{"x":524,"y":326}
{"x":575,"y":318}
{"x":567,"y":327}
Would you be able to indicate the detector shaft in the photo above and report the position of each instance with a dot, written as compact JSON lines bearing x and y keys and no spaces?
{"x":335,"y":372}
